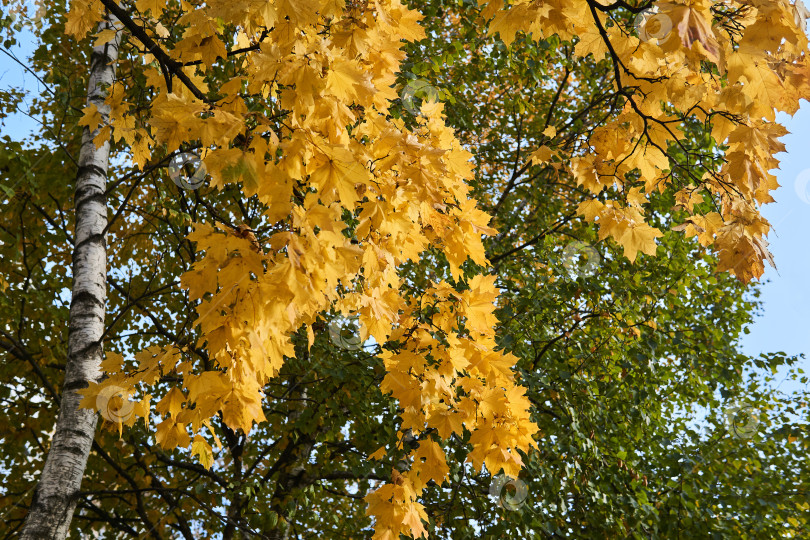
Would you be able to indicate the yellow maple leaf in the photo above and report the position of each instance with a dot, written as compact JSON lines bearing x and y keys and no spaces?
{"x":203,"y":451}
{"x":171,"y":434}
{"x":591,"y":42}
{"x":91,"y":118}
{"x":378,"y":454}
{"x":639,"y":237}
{"x":172,"y":402}
{"x":105,"y":36}
{"x":430,"y":462}
{"x":345,"y":80}
{"x":541,"y":155}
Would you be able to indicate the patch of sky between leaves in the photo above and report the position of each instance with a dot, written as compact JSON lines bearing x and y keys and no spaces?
{"x":18,"y":126}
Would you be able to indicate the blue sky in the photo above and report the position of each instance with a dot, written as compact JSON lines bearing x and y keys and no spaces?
{"x":785,"y":322}
{"x":783,"y":325}
{"x":12,"y":75}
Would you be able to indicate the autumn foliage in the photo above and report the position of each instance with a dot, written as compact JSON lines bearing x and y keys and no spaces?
{"x":296,"y":104}
{"x":331,"y":71}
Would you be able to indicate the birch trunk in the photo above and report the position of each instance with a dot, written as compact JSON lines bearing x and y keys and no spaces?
{"x":55,"y":498}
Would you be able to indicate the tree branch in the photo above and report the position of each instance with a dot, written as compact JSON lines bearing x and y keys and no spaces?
{"x":170,"y":64}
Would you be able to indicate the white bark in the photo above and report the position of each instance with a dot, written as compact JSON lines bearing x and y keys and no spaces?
{"x":56,"y":496}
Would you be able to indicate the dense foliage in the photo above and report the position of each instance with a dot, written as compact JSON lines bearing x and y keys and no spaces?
{"x":311,"y":343}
